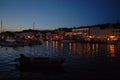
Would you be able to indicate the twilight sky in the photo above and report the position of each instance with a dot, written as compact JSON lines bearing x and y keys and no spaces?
{"x":52,"y":14}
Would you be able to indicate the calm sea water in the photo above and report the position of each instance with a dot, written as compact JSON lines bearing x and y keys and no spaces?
{"x":83,"y":61}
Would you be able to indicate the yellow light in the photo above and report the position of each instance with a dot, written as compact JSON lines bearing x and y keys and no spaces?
{"x":56,"y":36}
{"x":90,"y":36}
{"x":28,"y":36}
{"x":111,"y":37}
{"x":2,"y":37}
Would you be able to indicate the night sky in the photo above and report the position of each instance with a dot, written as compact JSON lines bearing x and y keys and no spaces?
{"x":52,"y":14}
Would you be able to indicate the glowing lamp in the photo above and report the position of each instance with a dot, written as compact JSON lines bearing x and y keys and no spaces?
{"x":112,"y":37}
{"x":28,"y":36}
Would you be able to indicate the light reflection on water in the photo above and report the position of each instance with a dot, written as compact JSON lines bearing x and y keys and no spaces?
{"x":75,"y":53}
{"x":112,"y":50}
{"x":57,"y":49}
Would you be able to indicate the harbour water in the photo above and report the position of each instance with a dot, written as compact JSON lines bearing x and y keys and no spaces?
{"x":82,"y":61}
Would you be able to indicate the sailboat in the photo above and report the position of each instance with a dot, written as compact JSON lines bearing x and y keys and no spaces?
{"x":10,"y":42}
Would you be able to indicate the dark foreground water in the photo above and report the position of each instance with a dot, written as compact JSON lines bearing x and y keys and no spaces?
{"x":83,"y":61}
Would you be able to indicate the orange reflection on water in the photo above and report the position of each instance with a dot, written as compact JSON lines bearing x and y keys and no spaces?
{"x":90,"y":49}
{"x":56,"y":44}
{"x":46,"y":44}
{"x":112,"y":50}
{"x":53,"y":44}
{"x":86,"y":49}
{"x":61,"y":45}
{"x":95,"y":48}
{"x":74,"y":47}
{"x":32,"y":54}
{"x":70,"y":46}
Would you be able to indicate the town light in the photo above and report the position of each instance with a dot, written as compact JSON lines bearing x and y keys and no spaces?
{"x":3,"y":37}
{"x":90,"y":37}
{"x":29,"y":37}
{"x":111,"y":37}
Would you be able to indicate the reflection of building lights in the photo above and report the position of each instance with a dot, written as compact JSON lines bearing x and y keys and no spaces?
{"x":46,"y":44}
{"x":74,"y":47}
{"x":112,"y":50}
{"x":53,"y":44}
{"x":93,"y":47}
{"x":69,"y":45}
{"x":61,"y":45}
{"x":56,"y":44}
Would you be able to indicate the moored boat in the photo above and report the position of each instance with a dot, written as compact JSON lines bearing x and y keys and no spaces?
{"x":40,"y":63}
{"x":17,"y":43}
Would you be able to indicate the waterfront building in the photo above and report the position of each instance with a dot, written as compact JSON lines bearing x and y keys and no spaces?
{"x":26,"y":35}
{"x":106,"y":31}
{"x":94,"y":32}
{"x":69,"y":35}
{"x":81,"y":32}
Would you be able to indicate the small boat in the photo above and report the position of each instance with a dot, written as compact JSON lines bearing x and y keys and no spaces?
{"x":18,"y":43}
{"x":40,"y":63}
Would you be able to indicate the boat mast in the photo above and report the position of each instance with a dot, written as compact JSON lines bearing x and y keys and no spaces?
{"x":1,"y":26}
{"x":33,"y":25}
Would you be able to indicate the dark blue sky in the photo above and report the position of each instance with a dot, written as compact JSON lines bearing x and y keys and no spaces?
{"x":52,"y":14}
